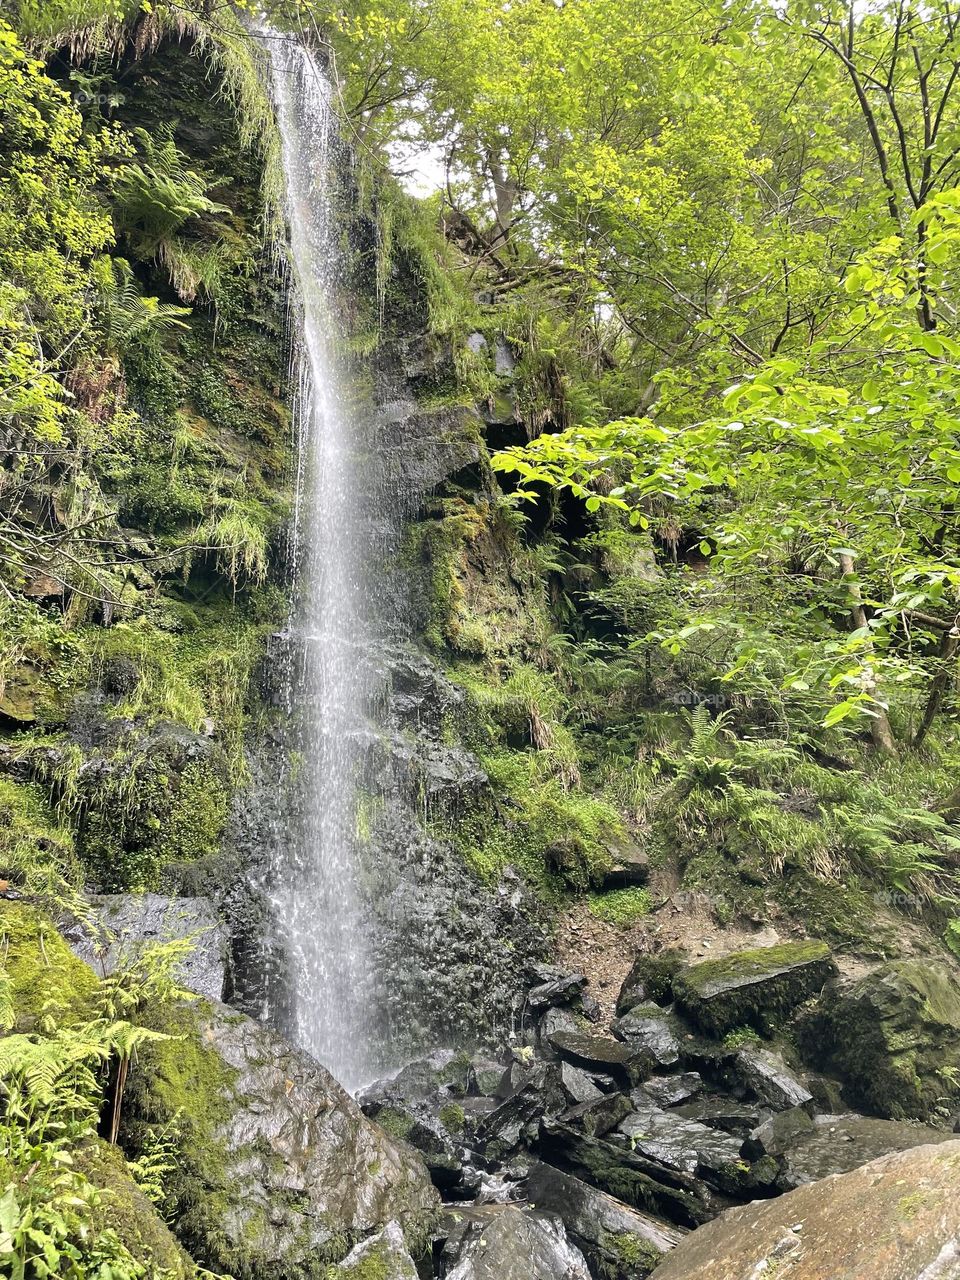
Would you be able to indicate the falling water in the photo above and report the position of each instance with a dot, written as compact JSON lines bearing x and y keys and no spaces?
{"x":318,"y":895}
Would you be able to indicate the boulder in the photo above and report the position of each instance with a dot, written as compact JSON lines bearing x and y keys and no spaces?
{"x":649,"y":1031}
{"x":504,"y":1242}
{"x":121,"y":925}
{"x":578,"y":1085}
{"x":629,"y":869}
{"x":757,"y":988}
{"x":613,"y":1164}
{"x":650,"y":978}
{"x":600,"y":1115}
{"x":669,"y":1091}
{"x":837,"y":1144}
{"x":893,"y":1037}
{"x":692,"y":1148}
{"x":897,"y":1218}
{"x":383,"y":1256}
{"x":275,"y":1164}
{"x":560,"y":988}
{"x":760,"y":1073}
{"x":615,"y":1239}
{"x":516,"y":1121}
{"x":717,"y":1111}
{"x":598,"y":1053}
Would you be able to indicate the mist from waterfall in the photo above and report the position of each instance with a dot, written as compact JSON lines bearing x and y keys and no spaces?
{"x":317,"y":891}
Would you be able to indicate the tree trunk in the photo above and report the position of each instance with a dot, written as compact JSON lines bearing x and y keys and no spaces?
{"x":949,"y":643}
{"x":880,"y":730}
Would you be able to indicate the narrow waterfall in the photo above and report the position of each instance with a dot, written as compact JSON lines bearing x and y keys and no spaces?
{"x":318,"y":897}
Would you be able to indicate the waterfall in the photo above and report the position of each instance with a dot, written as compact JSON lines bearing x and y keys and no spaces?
{"x":318,"y":891}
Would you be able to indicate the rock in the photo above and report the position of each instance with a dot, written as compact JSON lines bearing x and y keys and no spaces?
{"x":897,"y":1218}
{"x":894,"y":1038}
{"x":720,"y":1112}
{"x":752,"y":988}
{"x":123,"y":1208}
{"x":630,"y":868}
{"x":503,"y":1242}
{"x":436,"y":1130}
{"x":443,"y":1069}
{"x":600,"y":1115}
{"x":578,"y":1085}
{"x":274,"y":1162}
{"x":590,"y":1007}
{"x":383,"y":1255}
{"x":564,"y":989}
{"x":837,"y":1144}
{"x":615,"y":1239}
{"x":485,"y":1075}
{"x":668,"y":1091}
{"x":781,"y":1132}
{"x":555,"y":1020}
{"x":614,"y":1165}
{"x":694,"y":1149}
{"x":122,"y":924}
{"x":647,"y":1030}
{"x":650,"y":978}
{"x":517,"y":1120}
{"x":767,"y":1077}
{"x":610,"y":1056}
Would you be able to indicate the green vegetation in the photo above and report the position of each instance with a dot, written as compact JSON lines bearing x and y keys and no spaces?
{"x":621,"y":906}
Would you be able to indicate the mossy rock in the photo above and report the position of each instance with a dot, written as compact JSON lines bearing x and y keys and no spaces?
{"x":650,"y":979}
{"x":41,"y":967}
{"x":894,"y":1038}
{"x":756,"y":988}
{"x":278,"y":1172}
{"x":124,"y":1209}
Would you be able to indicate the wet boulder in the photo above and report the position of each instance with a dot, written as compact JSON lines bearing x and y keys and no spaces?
{"x":505,"y":1242}
{"x":897,"y":1218}
{"x":837,"y":1144}
{"x":597,"y":1053}
{"x":119,"y":926}
{"x":555,"y":988}
{"x":757,"y":988}
{"x":599,"y":1115}
{"x":653,"y":1035}
{"x":615,"y":1239}
{"x":671,"y":1091}
{"x":893,"y":1037}
{"x":692,"y":1148}
{"x":757,"y":1072}
{"x":613,"y":1164}
{"x":274,"y":1163}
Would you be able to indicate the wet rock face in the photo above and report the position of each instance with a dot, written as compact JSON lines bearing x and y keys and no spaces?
{"x":615,"y":1239}
{"x":384,"y":1256}
{"x":894,"y":1038}
{"x":508,"y":1243}
{"x":278,"y":1166}
{"x":121,"y":925}
{"x":897,"y":1218}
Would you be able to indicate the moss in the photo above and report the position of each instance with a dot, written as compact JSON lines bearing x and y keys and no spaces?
{"x":396,"y":1122}
{"x":36,"y":850}
{"x":183,"y":1083}
{"x":453,"y":1118}
{"x":42,"y":969}
{"x":626,"y":1257}
{"x":621,"y":906}
{"x":125,"y":1210}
